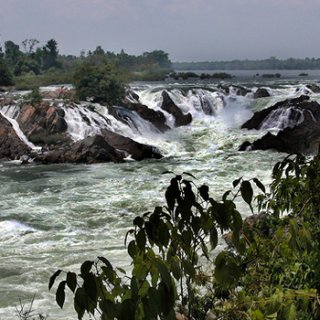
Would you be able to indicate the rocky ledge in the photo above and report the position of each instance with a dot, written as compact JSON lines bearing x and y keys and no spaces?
{"x":299,"y":130}
{"x":45,"y":125}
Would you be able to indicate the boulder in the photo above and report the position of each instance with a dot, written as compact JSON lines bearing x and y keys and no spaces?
{"x":127,"y":146}
{"x":301,"y":138}
{"x":238,"y":90}
{"x":258,"y":118}
{"x":40,"y":122}
{"x":261,"y":93}
{"x":169,"y":106}
{"x":313,"y":87}
{"x":11,"y":146}
{"x":157,"y":118}
{"x":92,"y":149}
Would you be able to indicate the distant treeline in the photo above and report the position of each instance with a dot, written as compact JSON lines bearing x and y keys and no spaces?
{"x":271,"y":63}
{"x":29,"y":63}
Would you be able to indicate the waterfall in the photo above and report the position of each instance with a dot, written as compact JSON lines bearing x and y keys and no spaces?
{"x":283,"y":118}
{"x":11,"y":113}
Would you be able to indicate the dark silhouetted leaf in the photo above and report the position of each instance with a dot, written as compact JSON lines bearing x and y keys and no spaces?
{"x":259,"y":185}
{"x":60,"y":294}
{"x":53,"y":278}
{"x":213,"y":238}
{"x":86,"y":267}
{"x":246,"y":191}
{"x":236,"y":182}
{"x":72,"y":281}
{"x":106,"y":262}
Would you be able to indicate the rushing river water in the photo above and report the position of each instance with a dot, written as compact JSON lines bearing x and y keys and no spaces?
{"x":56,"y":216}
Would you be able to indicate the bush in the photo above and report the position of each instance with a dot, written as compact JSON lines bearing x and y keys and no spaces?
{"x":271,"y":270}
{"x":98,"y":81}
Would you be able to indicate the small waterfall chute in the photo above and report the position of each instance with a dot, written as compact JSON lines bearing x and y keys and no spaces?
{"x":283,"y":118}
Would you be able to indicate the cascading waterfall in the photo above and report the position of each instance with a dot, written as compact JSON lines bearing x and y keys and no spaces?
{"x":11,"y":113}
{"x":283,"y":118}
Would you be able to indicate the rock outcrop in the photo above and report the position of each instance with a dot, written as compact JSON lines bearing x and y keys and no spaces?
{"x":129,"y":147}
{"x":169,"y":106}
{"x":261,"y":93}
{"x":304,"y":137}
{"x":11,"y":146}
{"x":40,"y":122}
{"x":93,"y":149}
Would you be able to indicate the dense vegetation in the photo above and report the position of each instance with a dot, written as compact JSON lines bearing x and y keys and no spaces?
{"x":30,"y":65}
{"x":271,"y":63}
{"x":270,"y":269}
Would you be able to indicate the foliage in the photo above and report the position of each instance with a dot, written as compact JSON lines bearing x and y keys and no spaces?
{"x":5,"y":75}
{"x":97,"y":80}
{"x":31,"y":81}
{"x":270,"y":271}
{"x":34,"y":97}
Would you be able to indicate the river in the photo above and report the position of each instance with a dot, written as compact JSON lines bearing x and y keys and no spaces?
{"x":57,"y":216}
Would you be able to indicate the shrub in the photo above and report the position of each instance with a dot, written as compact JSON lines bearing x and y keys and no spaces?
{"x":98,"y":81}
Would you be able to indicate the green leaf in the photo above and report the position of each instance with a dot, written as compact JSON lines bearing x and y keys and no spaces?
{"x":53,"y":278}
{"x":291,"y":313}
{"x":175,"y":268}
{"x":72,"y":281}
{"x":60,"y":294}
{"x":246,"y":191}
{"x":164,"y":272}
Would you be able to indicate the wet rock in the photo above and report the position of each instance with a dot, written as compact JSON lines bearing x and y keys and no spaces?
{"x":169,"y":106}
{"x":301,"y":138}
{"x":313,"y":87}
{"x":40,"y":122}
{"x":257,"y":119}
{"x":93,"y":149}
{"x":261,"y":93}
{"x":127,"y":146}
{"x":238,"y":90}
{"x":11,"y":146}
{"x":157,"y":118}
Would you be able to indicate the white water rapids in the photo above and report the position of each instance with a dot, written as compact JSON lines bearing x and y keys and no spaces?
{"x":56,"y":216}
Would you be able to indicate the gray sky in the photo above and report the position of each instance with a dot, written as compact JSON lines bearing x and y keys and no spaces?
{"x":189,"y":30}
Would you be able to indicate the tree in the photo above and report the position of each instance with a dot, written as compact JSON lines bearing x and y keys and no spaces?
{"x":29,"y":45}
{"x":49,"y":55}
{"x":5,"y":75}
{"x":96,"y":79}
{"x":12,"y":53}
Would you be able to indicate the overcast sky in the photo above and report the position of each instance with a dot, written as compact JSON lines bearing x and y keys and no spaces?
{"x":189,"y":30}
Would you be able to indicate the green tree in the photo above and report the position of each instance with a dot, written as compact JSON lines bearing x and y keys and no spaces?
{"x":6,"y":78}
{"x":97,"y":80}
{"x":49,"y":55}
{"x":12,"y":53}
